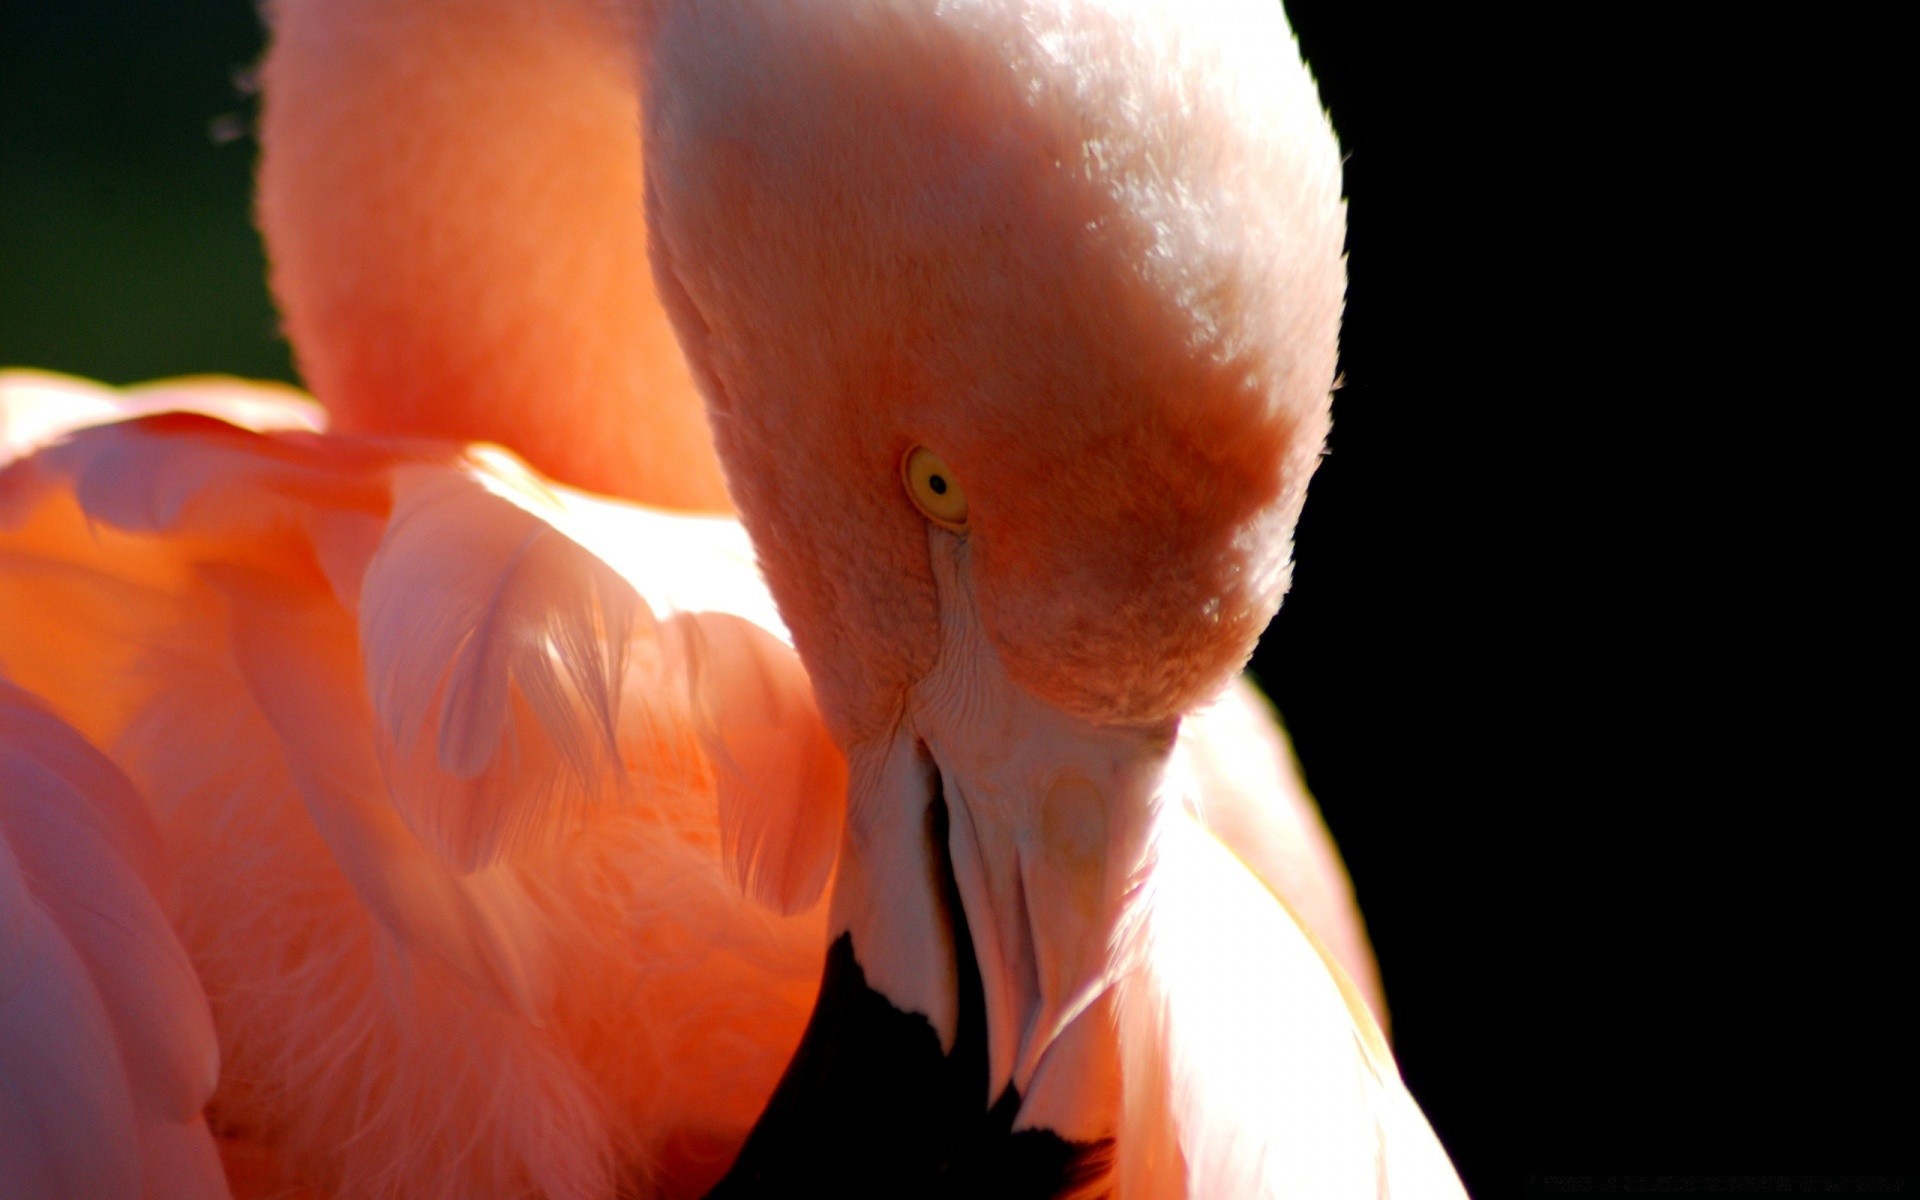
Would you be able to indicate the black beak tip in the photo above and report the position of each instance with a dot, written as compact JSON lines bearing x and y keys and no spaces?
{"x":871,"y":1106}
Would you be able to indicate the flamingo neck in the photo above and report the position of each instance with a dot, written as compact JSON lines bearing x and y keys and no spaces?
{"x":453,"y":206}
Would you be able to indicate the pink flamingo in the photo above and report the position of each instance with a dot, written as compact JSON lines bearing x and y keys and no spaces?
{"x":1015,"y":324}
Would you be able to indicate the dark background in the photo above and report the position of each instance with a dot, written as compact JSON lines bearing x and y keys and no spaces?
{"x":1575,"y":660}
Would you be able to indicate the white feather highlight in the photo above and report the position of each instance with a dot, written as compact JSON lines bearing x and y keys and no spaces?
{"x":1251,"y":1068}
{"x":38,"y":408}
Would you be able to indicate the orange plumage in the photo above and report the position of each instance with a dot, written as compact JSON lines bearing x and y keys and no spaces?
{"x":494,"y":817}
{"x":410,"y":1003}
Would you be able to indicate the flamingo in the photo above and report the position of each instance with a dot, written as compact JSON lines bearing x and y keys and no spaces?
{"x":491,"y":818}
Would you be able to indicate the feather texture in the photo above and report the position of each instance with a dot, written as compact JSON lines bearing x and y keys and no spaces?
{"x":184,"y":471}
{"x":781,"y":779}
{"x":1252,"y":1066}
{"x":298,"y":654}
{"x":1251,"y":797}
{"x":524,"y":622}
{"x":92,"y":854}
{"x":38,"y":408}
{"x":107,"y":1051}
{"x":66,"y":1117}
{"x":722,"y":664}
{"x":205,"y":600}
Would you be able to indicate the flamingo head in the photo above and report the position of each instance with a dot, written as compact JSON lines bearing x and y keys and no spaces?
{"x":1017,"y":324}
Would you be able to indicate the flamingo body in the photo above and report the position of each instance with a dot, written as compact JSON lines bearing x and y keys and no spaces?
{"x":299,"y":961}
{"x":495,"y":818}
{"x":398,"y":988}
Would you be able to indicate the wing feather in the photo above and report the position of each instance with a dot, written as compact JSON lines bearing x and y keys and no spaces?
{"x":180,"y":1161}
{"x":93,"y":853}
{"x":92,"y":978}
{"x":1253,"y":799}
{"x":724,"y":662}
{"x":523,"y":622}
{"x":499,"y":702}
{"x":1251,"y":1067}
{"x":202,"y":600}
{"x":299,"y":655}
{"x":66,"y":1116}
{"x":781,"y":779}
{"x":38,"y":408}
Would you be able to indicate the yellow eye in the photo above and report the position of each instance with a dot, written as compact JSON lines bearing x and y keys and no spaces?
{"x":934,"y":490}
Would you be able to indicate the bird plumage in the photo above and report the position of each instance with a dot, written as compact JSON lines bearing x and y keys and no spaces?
{"x":494,"y":815}
{"x":451,"y":198}
{"x":107,"y":1051}
{"x":454,"y":937}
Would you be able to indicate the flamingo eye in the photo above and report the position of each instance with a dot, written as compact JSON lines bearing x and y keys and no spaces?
{"x":933,"y":489}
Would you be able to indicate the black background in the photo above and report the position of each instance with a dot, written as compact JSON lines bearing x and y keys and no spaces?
{"x":1580,"y":657}
{"x":1584,"y":655}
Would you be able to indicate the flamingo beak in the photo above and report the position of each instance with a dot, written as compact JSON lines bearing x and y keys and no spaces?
{"x":962,"y":1037}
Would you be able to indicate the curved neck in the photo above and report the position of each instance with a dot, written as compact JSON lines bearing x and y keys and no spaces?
{"x":452,"y":202}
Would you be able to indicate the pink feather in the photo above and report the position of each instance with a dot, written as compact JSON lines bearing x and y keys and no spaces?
{"x":380,"y":1007}
{"x":1253,"y":1066}
{"x":106,"y":1044}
